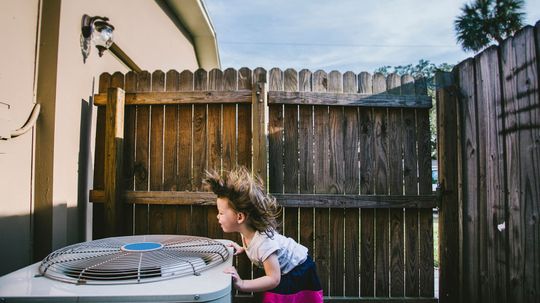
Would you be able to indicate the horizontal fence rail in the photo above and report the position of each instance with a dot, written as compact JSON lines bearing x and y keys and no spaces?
{"x":286,"y":200}
{"x":348,"y":159}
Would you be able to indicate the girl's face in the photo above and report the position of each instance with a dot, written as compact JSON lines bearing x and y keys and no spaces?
{"x":228,"y":218}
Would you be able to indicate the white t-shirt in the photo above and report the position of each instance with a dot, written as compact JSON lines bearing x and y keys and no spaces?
{"x":288,"y":251}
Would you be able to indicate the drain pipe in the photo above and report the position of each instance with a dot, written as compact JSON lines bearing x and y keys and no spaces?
{"x":28,"y":125}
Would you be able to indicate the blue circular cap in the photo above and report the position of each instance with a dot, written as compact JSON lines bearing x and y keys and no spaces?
{"x":142,"y":246}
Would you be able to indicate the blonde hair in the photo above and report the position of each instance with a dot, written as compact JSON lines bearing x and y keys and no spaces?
{"x":246,"y":194}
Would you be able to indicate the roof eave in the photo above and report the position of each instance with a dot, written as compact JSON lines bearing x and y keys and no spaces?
{"x":193,"y":15}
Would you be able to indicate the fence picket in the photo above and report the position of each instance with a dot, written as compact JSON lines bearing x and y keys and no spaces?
{"x":170,"y":153}
{"x":470,"y":237}
{"x":305,"y":165}
{"x":321,"y":173}
{"x":488,"y":90}
{"x":200,"y":153}
{"x":351,"y":186}
{"x":336,"y":185}
{"x":275,"y":135}
{"x":367,"y":183}
{"x":185,"y":153}
{"x":245,"y":133}
{"x":395,"y":184}
{"x":290,"y":155}
{"x":142,"y":153}
{"x":157,"y":118}
{"x":98,"y":229}
{"x":130,"y":85}
{"x":214,"y":137}
{"x":382,"y":221}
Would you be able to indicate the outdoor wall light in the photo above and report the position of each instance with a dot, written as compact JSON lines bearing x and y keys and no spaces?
{"x":98,"y":31}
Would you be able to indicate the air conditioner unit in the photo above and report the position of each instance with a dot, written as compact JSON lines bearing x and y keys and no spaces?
{"x":150,"y":268}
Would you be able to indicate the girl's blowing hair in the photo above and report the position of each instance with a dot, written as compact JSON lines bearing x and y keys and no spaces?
{"x":246,"y":194}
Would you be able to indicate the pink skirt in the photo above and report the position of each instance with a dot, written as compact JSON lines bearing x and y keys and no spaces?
{"x":300,"y":285}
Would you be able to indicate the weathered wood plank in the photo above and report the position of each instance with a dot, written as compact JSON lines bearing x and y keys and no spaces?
{"x":117,"y":80}
{"x":410,"y":184}
{"x":130,"y":123}
{"x":275,"y":136}
{"x":170,"y":153}
{"x":336,"y":185}
{"x":259,"y":132}
{"x":471,"y":264}
{"x":305,"y":156}
{"x":425,"y":215}
{"x":321,"y":173}
{"x":129,"y":133}
{"x":199,"y":224}
{"x":214,"y":137}
{"x":349,"y":99}
{"x":426,"y":273}
{"x":367,"y":187}
{"x":290,"y":156}
{"x":244,"y":128}
{"x":142,"y":154}
{"x":367,"y":252}
{"x":245,"y":135}
{"x":157,"y":118}
{"x":449,"y":290}
{"x":352,"y":186}
{"x":395,"y":182}
{"x":309,"y":200}
{"x":290,"y":137}
{"x":491,"y":208}
{"x":528,"y":115}
{"x":98,"y":229}
{"x":183,"y":97}
{"x":382,"y":220}
{"x":185,"y":152}
{"x":229,"y":122}
{"x":520,"y":91}
{"x":114,"y":149}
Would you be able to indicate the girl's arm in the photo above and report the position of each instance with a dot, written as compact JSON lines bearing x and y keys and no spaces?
{"x":269,"y":281}
{"x":237,"y":248}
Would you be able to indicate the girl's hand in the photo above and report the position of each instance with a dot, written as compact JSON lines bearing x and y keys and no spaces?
{"x":237,"y":248}
{"x":237,"y":281}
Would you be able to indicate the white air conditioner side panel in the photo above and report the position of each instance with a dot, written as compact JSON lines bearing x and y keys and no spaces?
{"x":211,"y":285}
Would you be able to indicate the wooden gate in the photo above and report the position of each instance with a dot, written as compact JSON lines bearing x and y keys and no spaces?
{"x":348,"y":156}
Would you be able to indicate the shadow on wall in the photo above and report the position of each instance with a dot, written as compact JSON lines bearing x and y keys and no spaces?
{"x":69,"y":225}
{"x":16,"y":242}
{"x":17,"y":239}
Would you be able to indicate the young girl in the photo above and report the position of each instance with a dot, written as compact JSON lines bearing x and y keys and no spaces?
{"x":290,"y":274}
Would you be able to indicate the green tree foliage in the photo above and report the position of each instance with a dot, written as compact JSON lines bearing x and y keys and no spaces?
{"x":483,"y":21}
{"x":423,"y":69}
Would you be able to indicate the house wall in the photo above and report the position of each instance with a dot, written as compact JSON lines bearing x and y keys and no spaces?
{"x":16,"y":89}
{"x":43,"y":183}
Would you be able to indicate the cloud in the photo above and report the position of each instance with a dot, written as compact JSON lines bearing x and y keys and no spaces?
{"x":341,"y":34}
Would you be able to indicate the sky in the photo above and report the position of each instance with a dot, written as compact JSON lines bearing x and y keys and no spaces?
{"x":342,"y":35}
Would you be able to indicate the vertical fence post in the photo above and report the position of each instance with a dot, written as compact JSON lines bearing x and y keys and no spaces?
{"x":259,"y":115}
{"x":114,"y":148}
{"x":448,"y":149}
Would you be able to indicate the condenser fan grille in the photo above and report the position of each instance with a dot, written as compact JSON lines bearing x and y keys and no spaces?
{"x":133,"y":259}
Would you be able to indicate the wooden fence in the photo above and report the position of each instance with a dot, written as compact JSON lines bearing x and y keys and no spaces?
{"x":489,"y":132}
{"x":348,"y":156}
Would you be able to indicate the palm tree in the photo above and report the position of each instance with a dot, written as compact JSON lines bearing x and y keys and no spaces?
{"x":486,"y":20}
